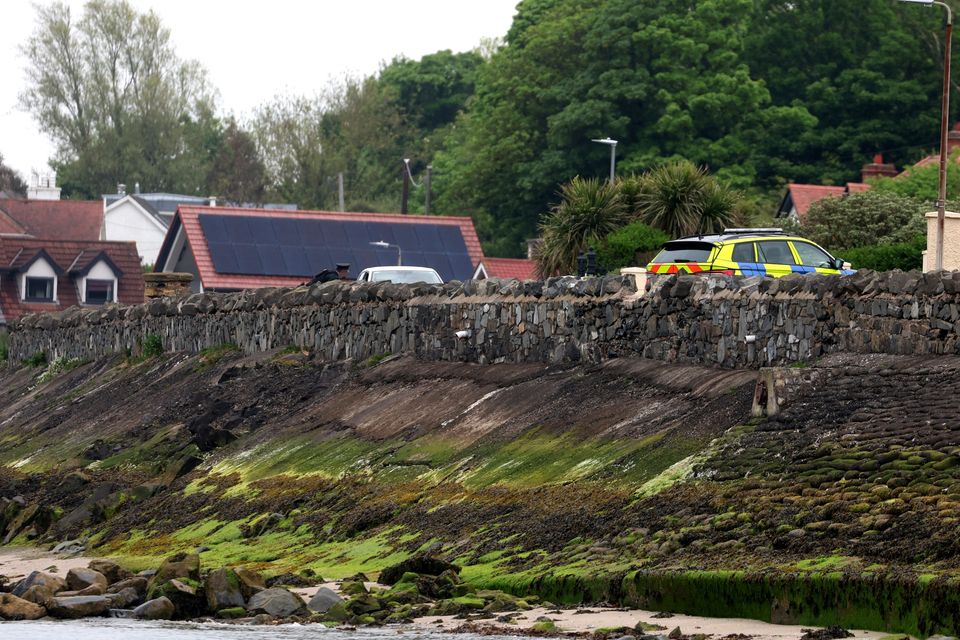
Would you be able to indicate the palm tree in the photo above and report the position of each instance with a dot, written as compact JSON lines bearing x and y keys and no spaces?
{"x":588,"y":210}
{"x":682,"y":199}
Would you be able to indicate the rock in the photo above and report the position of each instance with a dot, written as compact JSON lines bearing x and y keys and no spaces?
{"x":323,"y":600}
{"x":14,"y":608}
{"x":276,"y":602}
{"x":136,"y":583}
{"x":39,"y":594}
{"x":110,"y":570}
{"x":362,"y":604}
{"x":676,"y":633}
{"x":80,"y":578}
{"x":251,"y":582}
{"x":180,"y":566}
{"x":92,"y":590}
{"x":78,"y":606}
{"x":232,"y":613}
{"x":289,"y":580}
{"x":156,"y":609}
{"x":223,"y":590}
{"x":187,"y":601}
{"x":124,"y":598}
{"x":70,"y":546}
{"x":429,"y":565}
{"x":38,"y":578}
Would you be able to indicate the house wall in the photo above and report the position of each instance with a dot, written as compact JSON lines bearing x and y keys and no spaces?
{"x":99,"y":271}
{"x":718,"y":320}
{"x":39,"y":269}
{"x":126,"y":221}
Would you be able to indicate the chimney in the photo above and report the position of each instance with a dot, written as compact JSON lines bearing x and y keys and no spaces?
{"x":953,"y":139}
{"x":136,"y":188}
{"x":213,"y":201}
{"x":43,"y":186}
{"x":121,"y":189}
{"x":532,"y":244}
{"x":878,"y":168}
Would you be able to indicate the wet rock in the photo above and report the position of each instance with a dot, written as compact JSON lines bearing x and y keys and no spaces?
{"x":423,"y":565}
{"x":362,"y":604}
{"x":223,"y":590}
{"x":156,"y":609}
{"x":14,"y":608}
{"x":829,"y":633}
{"x":276,"y":601}
{"x":38,"y":578}
{"x":250,"y":582}
{"x":232,"y":613}
{"x":323,"y":600}
{"x":110,"y":570}
{"x":81,"y":578}
{"x":136,"y":583}
{"x":78,"y":607}
{"x":124,"y":598}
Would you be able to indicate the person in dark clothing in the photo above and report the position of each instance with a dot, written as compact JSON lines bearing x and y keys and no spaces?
{"x":324,"y":276}
{"x":343,"y":271}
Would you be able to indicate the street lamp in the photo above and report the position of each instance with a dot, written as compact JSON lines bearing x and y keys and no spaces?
{"x":613,"y":155}
{"x":387,"y":245}
{"x":944,"y":124}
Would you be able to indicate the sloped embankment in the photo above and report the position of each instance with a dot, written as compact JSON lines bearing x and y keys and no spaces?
{"x":633,"y":480}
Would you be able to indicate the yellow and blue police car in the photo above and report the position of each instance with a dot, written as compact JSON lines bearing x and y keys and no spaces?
{"x":746,"y":252}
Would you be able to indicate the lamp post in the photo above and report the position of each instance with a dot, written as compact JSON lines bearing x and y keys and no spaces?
{"x":613,"y":155}
{"x":387,"y":245}
{"x":944,"y":125}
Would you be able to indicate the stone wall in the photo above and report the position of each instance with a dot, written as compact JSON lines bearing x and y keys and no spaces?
{"x":728,"y":321}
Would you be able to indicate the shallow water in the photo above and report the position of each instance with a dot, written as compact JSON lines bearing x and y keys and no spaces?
{"x":117,"y":629}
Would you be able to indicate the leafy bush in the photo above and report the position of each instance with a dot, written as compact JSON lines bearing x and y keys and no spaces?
{"x":864,"y":220}
{"x":631,"y":246}
{"x":152,"y":346}
{"x":58,"y":366}
{"x":38,"y":359}
{"x":4,"y":349}
{"x":905,"y":256}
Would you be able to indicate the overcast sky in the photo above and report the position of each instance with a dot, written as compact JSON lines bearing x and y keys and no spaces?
{"x":256,"y":50}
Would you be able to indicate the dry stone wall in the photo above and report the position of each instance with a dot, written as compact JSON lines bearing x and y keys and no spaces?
{"x":722,"y":320}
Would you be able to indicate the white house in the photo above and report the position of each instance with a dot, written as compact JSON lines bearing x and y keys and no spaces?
{"x":143,"y":218}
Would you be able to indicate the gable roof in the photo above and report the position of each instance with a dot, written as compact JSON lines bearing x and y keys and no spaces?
{"x":88,"y":258}
{"x":15,"y":252}
{"x":56,"y":219}
{"x":507,"y":268}
{"x":801,"y":196}
{"x":188,"y":222}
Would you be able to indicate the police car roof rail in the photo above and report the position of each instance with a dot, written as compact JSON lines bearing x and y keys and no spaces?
{"x":769,"y":230}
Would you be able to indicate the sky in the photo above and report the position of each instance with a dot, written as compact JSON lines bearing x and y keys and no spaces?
{"x":255,"y":50}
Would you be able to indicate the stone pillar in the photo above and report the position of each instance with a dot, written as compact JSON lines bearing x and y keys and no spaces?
{"x":639,"y":275}
{"x":951,"y":242}
{"x":166,"y":285}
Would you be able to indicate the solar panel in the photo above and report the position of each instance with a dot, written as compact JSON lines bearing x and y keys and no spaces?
{"x":301,"y":246}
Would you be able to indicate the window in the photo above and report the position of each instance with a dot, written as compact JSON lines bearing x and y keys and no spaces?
{"x":684,"y":252}
{"x":38,"y":289}
{"x":743,"y":252}
{"x":775,"y":252}
{"x":99,"y":291}
{"x":812,"y":255}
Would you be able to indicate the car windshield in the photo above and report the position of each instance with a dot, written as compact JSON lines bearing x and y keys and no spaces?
{"x":684,"y":252}
{"x":405,"y":276}
{"x":812,"y":256}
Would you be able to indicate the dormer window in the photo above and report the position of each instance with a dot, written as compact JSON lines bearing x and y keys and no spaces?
{"x":39,"y":289}
{"x":99,"y":291}
{"x":97,"y":281}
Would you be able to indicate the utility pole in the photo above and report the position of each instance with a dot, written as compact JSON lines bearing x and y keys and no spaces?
{"x":406,"y":186}
{"x":340,"y":190}
{"x":426,"y":183}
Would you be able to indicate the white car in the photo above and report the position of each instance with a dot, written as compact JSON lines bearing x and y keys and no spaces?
{"x":400,"y":275}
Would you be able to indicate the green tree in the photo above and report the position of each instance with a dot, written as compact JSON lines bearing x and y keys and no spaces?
{"x":237,"y":173}
{"x":11,"y":183}
{"x":864,"y":219}
{"x":631,"y":246}
{"x":682,"y":199}
{"x":116,"y":99}
{"x":923,"y":183}
{"x":589,"y":210}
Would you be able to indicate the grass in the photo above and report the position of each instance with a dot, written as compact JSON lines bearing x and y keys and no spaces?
{"x":152,"y":346}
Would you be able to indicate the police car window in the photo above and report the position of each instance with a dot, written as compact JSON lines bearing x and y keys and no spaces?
{"x":775,"y":252}
{"x":743,"y":252}
{"x":811,"y":255}
{"x":684,"y":252}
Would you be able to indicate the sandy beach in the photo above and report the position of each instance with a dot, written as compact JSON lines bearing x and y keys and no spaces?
{"x":17,"y":562}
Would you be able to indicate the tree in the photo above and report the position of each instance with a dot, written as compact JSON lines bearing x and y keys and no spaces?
{"x":10,"y":181}
{"x":631,"y":246}
{"x":864,"y":219}
{"x":682,"y":199}
{"x":923,"y":183}
{"x":589,"y":210}
{"x":116,"y":99}
{"x":238,"y":174}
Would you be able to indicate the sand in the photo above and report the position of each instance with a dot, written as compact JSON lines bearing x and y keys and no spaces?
{"x":16,"y":563}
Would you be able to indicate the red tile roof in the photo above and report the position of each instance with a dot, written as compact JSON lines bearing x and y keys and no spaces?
{"x":804,"y":195}
{"x":857,"y":187}
{"x":188,"y":216}
{"x":510,"y":268}
{"x":56,"y":219}
{"x":19,"y":251}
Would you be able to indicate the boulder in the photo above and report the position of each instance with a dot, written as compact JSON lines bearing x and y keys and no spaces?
{"x":39,"y":594}
{"x":223,"y":590}
{"x":323,"y":600}
{"x":277,"y":602}
{"x":232,"y":613}
{"x":182,"y":565}
{"x":70,"y":546}
{"x":78,"y":606}
{"x":429,"y":565}
{"x":362,"y":604}
{"x":92,"y":590}
{"x":111,"y":570}
{"x":38,"y":578}
{"x":124,"y":598}
{"x":251,"y":582}
{"x":187,"y":601}
{"x":14,"y":608}
{"x":156,"y":609}
{"x":137,"y":583}
{"x":81,"y":578}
